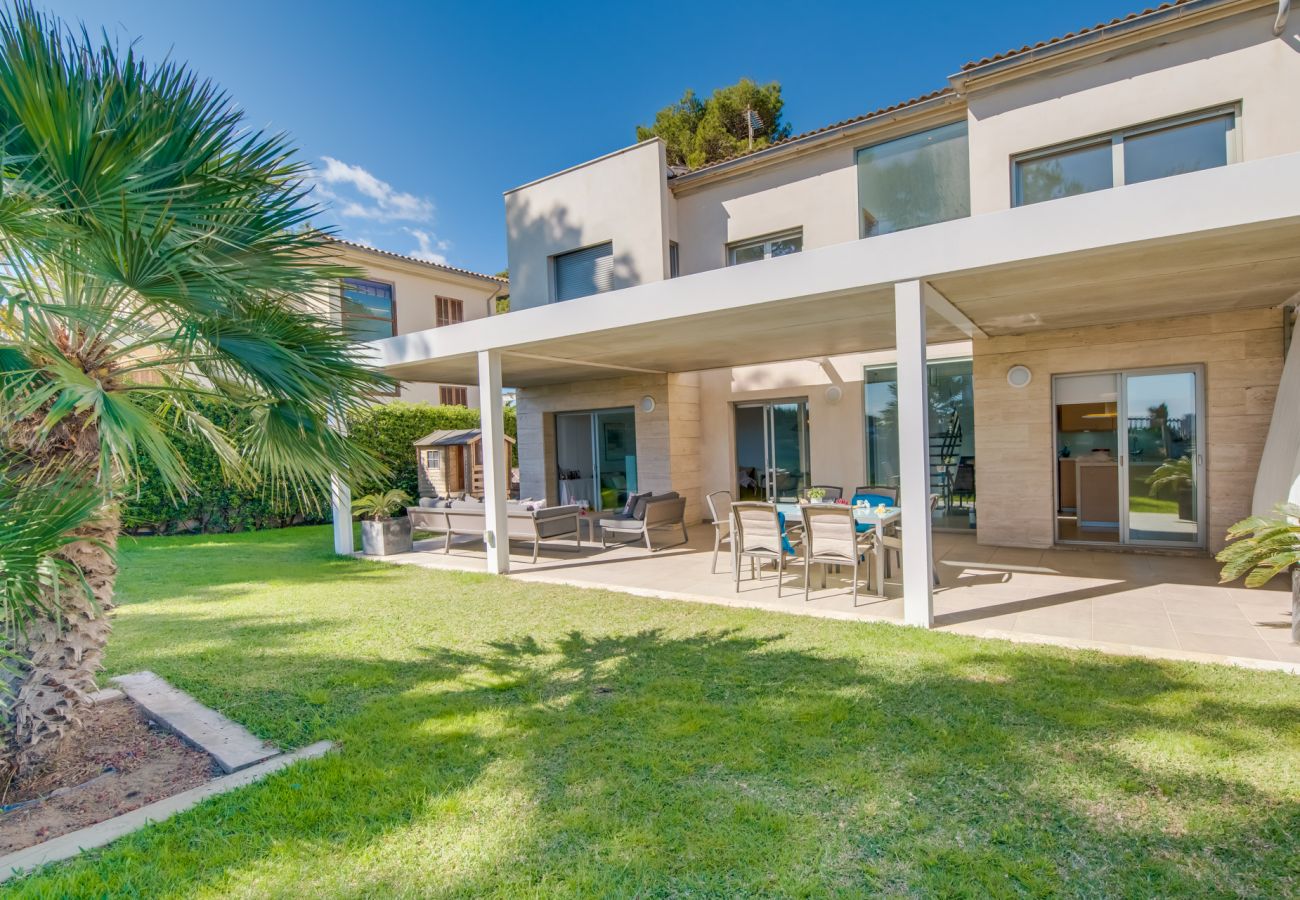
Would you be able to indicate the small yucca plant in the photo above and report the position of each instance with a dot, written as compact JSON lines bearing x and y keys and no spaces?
{"x":1261,"y":548}
{"x":378,"y":507}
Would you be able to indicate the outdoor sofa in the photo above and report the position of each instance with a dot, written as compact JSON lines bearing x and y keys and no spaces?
{"x":527,"y":521}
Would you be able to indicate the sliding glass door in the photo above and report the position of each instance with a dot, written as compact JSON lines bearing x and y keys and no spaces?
{"x":950,"y":391}
{"x":772,"y":450}
{"x":1163,"y":478}
{"x":595,"y":457}
{"x":1130,"y":464}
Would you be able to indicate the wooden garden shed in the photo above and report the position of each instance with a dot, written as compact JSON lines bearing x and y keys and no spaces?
{"x":450,"y":462}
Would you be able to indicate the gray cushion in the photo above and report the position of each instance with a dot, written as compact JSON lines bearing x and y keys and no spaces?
{"x":430,"y":502}
{"x":629,"y":508}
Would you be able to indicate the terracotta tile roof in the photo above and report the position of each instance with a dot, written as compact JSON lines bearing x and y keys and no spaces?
{"x":884,"y":110}
{"x":1065,"y":37}
{"x":422,"y":262}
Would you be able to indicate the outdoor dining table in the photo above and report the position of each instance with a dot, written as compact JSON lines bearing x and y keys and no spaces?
{"x":862,"y":515}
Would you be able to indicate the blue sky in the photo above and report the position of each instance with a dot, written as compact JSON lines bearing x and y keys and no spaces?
{"x":418,"y":115}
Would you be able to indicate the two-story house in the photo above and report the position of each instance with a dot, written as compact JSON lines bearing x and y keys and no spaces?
{"x":1054,"y":294}
{"x":401,"y":294}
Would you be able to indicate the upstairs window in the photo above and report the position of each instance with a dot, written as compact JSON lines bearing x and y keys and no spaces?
{"x":449,"y":311}
{"x":1170,"y":147}
{"x":674,"y":260}
{"x":782,"y":244}
{"x":453,"y":396}
{"x":915,"y":180}
{"x":584,"y":272}
{"x":369,"y":312}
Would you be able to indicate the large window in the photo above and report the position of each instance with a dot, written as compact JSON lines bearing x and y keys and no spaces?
{"x":449,"y":311}
{"x":584,"y":272}
{"x":952,"y":436}
{"x":782,"y":244}
{"x":369,"y":312}
{"x":1158,"y":150}
{"x":915,"y":180}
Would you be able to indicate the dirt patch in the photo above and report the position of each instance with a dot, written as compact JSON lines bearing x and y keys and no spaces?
{"x":119,"y":762}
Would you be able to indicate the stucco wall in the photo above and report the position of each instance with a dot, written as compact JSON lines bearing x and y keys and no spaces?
{"x":837,"y":435}
{"x":1014,"y":437}
{"x":623,"y":197}
{"x":667,"y":439}
{"x":415,"y":289}
{"x":620,"y":198}
{"x":1237,"y":60}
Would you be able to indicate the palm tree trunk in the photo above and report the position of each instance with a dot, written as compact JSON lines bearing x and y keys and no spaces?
{"x":59,"y":655}
{"x":62,"y":656}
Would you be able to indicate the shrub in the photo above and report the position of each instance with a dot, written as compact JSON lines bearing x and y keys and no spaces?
{"x":213,"y":506}
{"x":389,"y":431}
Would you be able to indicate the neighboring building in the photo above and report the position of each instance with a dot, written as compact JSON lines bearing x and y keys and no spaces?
{"x":401,"y":294}
{"x":1098,"y":237}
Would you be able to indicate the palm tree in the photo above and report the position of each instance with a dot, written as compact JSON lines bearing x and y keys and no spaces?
{"x":156,"y":260}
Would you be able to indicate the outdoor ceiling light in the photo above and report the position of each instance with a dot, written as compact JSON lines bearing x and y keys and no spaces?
{"x":647,"y":404}
{"x":834,"y":393}
{"x":1019,"y":376}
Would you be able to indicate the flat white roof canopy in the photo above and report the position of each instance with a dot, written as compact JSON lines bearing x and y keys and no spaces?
{"x":1209,"y":241}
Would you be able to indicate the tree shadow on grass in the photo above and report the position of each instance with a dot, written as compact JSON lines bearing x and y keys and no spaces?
{"x":726,"y":762}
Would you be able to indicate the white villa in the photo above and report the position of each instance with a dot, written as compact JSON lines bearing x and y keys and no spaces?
{"x":1056,"y":294}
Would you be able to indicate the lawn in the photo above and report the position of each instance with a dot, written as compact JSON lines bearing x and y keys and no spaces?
{"x":505,"y":739}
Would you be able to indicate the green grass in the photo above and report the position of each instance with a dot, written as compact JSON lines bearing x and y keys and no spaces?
{"x":504,"y":739}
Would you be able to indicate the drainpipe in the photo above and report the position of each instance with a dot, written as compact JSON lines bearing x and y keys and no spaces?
{"x":1283,"y":10}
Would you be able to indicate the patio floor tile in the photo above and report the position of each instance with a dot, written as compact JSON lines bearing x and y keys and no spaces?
{"x":1165,"y":604}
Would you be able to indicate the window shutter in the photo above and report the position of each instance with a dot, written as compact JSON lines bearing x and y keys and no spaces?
{"x":584,"y":272}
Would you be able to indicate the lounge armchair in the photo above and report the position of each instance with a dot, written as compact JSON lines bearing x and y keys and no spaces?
{"x":653,"y":513}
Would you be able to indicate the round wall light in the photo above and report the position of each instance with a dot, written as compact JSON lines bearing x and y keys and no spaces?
{"x":834,"y":393}
{"x":1019,"y":376}
{"x":647,"y":404}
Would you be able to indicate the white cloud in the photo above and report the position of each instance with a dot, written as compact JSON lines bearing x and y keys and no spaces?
{"x":357,"y":194}
{"x":429,"y":246}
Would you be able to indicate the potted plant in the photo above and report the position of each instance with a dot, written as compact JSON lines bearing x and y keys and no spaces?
{"x":1176,"y":475}
{"x":816,"y":494}
{"x":381,"y":534}
{"x":1261,"y":548}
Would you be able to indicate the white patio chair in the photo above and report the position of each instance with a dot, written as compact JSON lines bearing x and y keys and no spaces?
{"x":893,"y":542}
{"x":720,"y":512}
{"x":756,"y":533}
{"x":831,"y":538}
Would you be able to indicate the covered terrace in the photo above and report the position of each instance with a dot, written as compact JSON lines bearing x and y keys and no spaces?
{"x":1214,"y":241}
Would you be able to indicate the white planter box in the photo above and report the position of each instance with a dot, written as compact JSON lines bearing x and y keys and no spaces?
{"x":385,"y":537}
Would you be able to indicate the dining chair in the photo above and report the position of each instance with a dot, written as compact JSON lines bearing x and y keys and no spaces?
{"x":893,"y":543}
{"x":833,"y":492}
{"x":720,"y":512}
{"x":831,"y":538}
{"x":758,"y":533}
{"x":880,"y":490}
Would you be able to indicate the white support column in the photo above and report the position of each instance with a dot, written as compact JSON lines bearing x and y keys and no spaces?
{"x":914,"y":452}
{"x":341,"y":502}
{"x":495,"y":487}
{"x":341,"y":509}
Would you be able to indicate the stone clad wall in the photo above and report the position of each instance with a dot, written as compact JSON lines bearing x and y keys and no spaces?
{"x":1015,"y":444}
{"x":667,"y":440}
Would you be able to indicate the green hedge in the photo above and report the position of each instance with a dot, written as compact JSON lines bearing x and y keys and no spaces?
{"x":387,"y":430}
{"x":213,"y":506}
